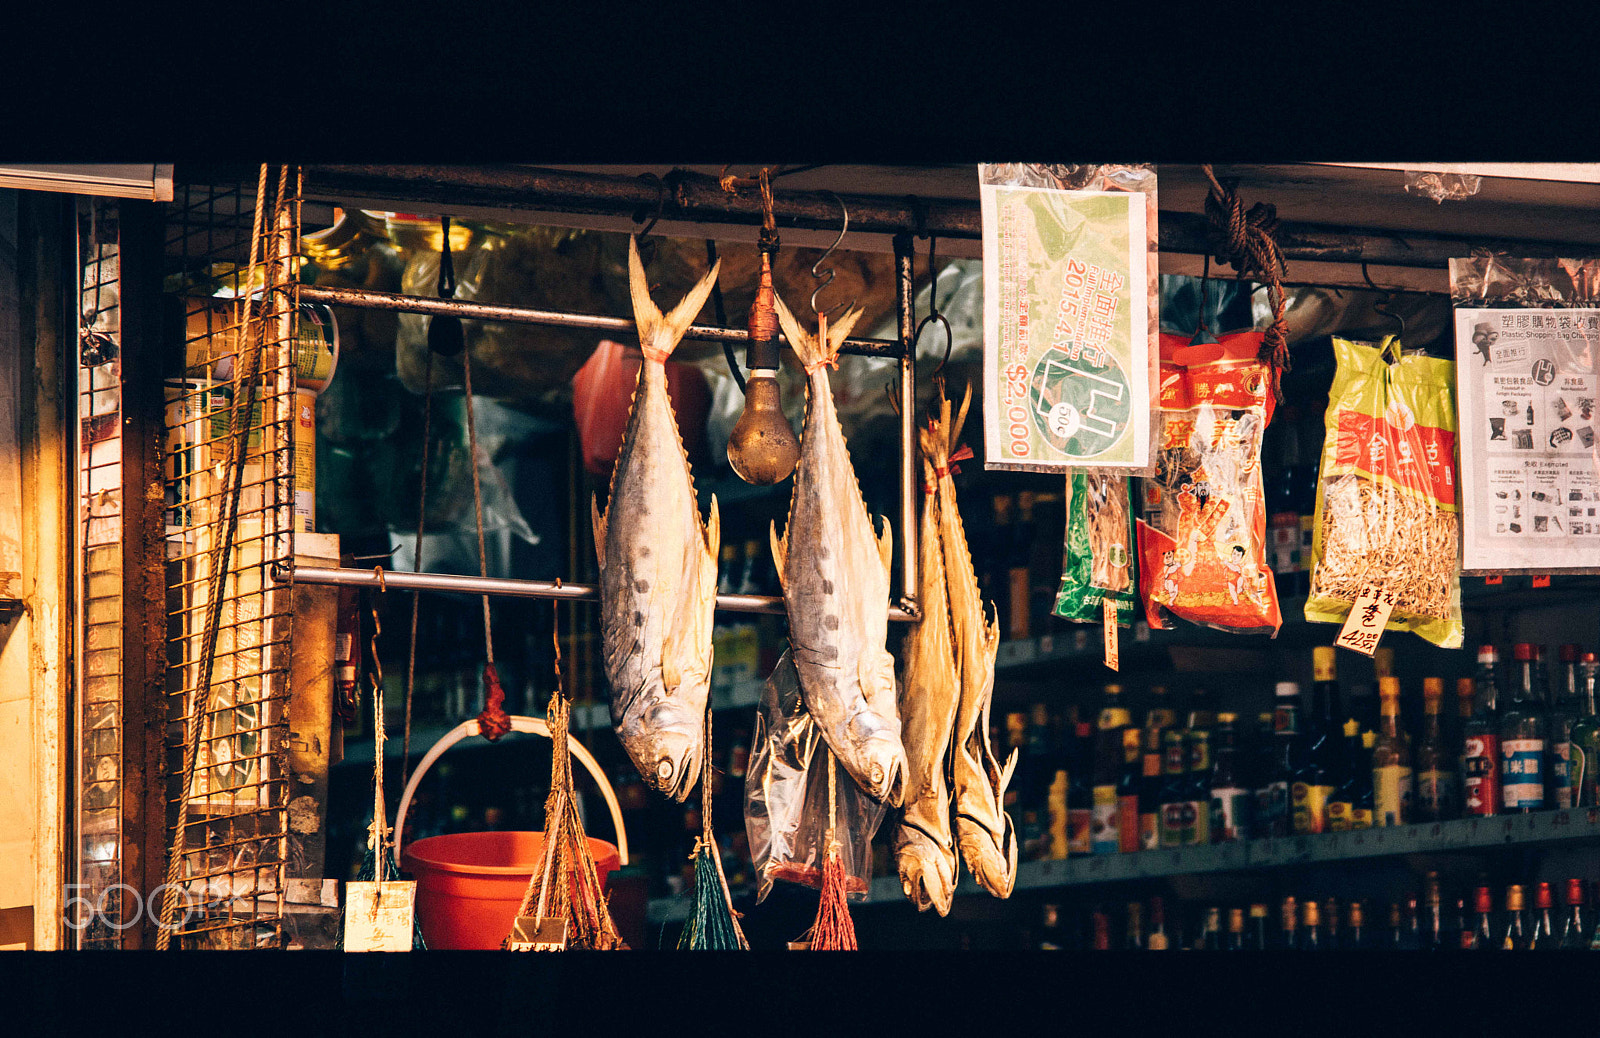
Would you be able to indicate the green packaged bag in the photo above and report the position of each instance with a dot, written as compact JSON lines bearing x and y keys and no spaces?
{"x":1099,"y":550}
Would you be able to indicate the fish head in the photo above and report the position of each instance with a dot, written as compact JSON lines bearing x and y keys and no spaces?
{"x":883,"y":760}
{"x":669,"y":753}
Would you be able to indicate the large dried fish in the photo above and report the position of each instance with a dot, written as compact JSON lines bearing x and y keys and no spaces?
{"x":986,"y":836}
{"x":835,"y":576}
{"x":658,"y":566}
{"x":925,"y":850}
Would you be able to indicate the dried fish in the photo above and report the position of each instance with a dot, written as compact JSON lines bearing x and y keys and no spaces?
{"x":985,"y":832}
{"x":835,"y":576}
{"x":658,"y":566}
{"x":930,"y":692}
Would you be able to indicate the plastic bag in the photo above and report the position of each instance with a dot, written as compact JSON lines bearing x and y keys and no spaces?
{"x":1202,"y":548}
{"x":786,"y":797}
{"x":1388,"y":510}
{"x":1099,"y":550}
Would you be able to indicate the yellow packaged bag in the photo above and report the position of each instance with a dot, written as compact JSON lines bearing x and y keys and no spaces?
{"x":1388,"y":501}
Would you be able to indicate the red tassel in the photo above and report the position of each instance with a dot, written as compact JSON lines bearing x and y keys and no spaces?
{"x":494,"y":721}
{"x":833,"y":930}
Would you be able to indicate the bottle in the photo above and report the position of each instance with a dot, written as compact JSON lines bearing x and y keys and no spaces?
{"x":1018,"y":586}
{"x":1043,"y":555}
{"x":1433,"y":937}
{"x":1105,"y":832}
{"x":1100,"y":930}
{"x":1573,"y":935}
{"x":1365,"y":811}
{"x":1544,"y":928}
{"x":1342,"y":803}
{"x":1287,"y":939}
{"x":1158,"y":925}
{"x":1128,"y":784}
{"x":1058,"y":812}
{"x":1272,"y":796}
{"x":1391,"y":760}
{"x":1463,"y":931}
{"x":1364,"y":707}
{"x":728,"y":569}
{"x":1230,"y":800}
{"x":1564,"y":712}
{"x":1397,"y":933}
{"x":1199,"y":747}
{"x":1236,"y":929}
{"x":1522,"y":738}
{"x":1133,"y":936}
{"x":1051,"y":932}
{"x":1017,"y":740}
{"x":1482,"y":937}
{"x":1458,"y":734}
{"x":996,"y":580}
{"x":1177,"y":818}
{"x":1150,"y":786}
{"x":1202,"y":711}
{"x":1480,"y":741}
{"x":1160,"y":714}
{"x":1311,"y":927}
{"x":1080,"y":794}
{"x":1038,"y":757}
{"x":1411,"y":928}
{"x":1330,"y":924}
{"x":1436,"y":780}
{"x":1515,"y":936}
{"x":1354,"y":938}
{"x":1585,"y":739}
{"x":1256,"y":937}
{"x":1211,"y":931}
{"x":1313,"y":783}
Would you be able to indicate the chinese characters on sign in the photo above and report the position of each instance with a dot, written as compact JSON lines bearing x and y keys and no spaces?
{"x":1365,"y":623}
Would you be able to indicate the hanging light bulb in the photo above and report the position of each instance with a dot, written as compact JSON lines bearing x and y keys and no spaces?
{"x":762,"y":448}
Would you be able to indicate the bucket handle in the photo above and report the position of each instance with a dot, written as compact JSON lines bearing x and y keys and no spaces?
{"x":528,"y":726}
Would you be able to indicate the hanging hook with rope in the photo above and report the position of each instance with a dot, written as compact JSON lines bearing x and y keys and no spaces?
{"x":935,"y":315}
{"x":1247,"y":242}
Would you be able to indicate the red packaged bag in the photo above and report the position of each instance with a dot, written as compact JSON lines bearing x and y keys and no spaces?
{"x":1202,"y":538}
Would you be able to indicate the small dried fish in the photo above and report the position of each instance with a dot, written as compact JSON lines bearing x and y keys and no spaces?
{"x":835,"y":576}
{"x":986,"y":835}
{"x":658,"y":566}
{"x":925,"y":849}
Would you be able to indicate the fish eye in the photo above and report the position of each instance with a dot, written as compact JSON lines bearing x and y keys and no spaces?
{"x":664,"y":769}
{"x":876,"y":774}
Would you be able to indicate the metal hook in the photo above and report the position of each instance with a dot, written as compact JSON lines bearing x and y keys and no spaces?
{"x":934,"y":314}
{"x":447,"y":267}
{"x":661,"y":198}
{"x":818,"y":275}
{"x":1384,"y":306}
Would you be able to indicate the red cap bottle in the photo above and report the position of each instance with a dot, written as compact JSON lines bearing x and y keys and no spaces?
{"x":1522,"y":651}
{"x":1482,"y":902}
{"x":1575,"y":892}
{"x":1541,"y":897}
{"x":1569,"y":654}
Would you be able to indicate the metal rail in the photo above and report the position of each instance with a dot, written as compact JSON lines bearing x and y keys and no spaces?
{"x":504,"y":587}
{"x":363,"y":299}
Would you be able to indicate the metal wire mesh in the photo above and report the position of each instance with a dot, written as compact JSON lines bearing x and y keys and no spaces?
{"x":228,"y":621}
{"x":100,"y":917}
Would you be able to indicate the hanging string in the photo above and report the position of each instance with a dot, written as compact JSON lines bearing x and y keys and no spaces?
{"x":1247,"y":241}
{"x":833,"y":930}
{"x":416,"y":567}
{"x":712,"y":925}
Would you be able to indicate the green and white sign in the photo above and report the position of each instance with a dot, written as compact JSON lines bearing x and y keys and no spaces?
{"x":1066,"y":329}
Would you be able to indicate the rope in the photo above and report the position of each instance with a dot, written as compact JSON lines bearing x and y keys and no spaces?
{"x":416,"y":567}
{"x":713,"y":925}
{"x":1247,"y":242}
{"x":246,"y":372}
{"x":833,"y":930}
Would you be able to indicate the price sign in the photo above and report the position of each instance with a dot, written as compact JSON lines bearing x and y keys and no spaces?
{"x":1364,"y":626}
{"x":378,"y":917}
{"x":538,"y":933}
{"x":1109,"y":609}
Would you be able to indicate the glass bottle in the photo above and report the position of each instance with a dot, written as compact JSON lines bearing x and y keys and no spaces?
{"x":1128,"y":789}
{"x":1462,"y":935}
{"x":1433,"y":938}
{"x":1313,"y":782}
{"x":1354,"y":938}
{"x":1515,"y":935}
{"x":1483,"y":938}
{"x":1574,"y":937}
{"x":1017,"y":739}
{"x":1080,"y":794}
{"x":1256,"y":936}
{"x":1565,"y":707}
{"x":1230,"y":801}
{"x":1100,"y":930}
{"x":1158,"y":925}
{"x":1177,"y":825}
{"x":1051,"y":932}
{"x":1236,"y":940}
{"x":1150,"y":787}
{"x":1330,"y":924}
{"x":1391,"y":760}
{"x":1310,"y":926}
{"x":1544,"y":927}
{"x":1199,"y":787}
{"x":1411,"y":927}
{"x":1480,"y":741}
{"x":1288,"y":939}
{"x":1585,"y":739}
{"x":1396,"y":936}
{"x":1160,"y":714}
{"x":1436,"y":779}
{"x":1211,"y":931}
{"x":1104,"y":832}
{"x":1365,"y":811}
{"x":1523,"y":736}
{"x":1202,"y":710}
{"x":1272,"y":796}
{"x":1341,"y":805}
{"x":1133,"y":937}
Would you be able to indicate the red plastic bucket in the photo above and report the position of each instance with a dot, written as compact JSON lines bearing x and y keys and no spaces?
{"x":470,"y":884}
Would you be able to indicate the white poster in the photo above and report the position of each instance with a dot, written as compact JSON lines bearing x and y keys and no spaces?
{"x":1530,"y":466}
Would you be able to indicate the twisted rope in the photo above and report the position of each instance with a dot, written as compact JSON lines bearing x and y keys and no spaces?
{"x":1247,"y":242}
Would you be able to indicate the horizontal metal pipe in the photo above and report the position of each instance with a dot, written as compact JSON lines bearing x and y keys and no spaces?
{"x":696,"y":197}
{"x":507,"y":587}
{"x":366,"y":300}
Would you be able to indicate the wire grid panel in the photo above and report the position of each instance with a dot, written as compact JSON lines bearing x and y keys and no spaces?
{"x":101,"y":918}
{"x":235,"y":280}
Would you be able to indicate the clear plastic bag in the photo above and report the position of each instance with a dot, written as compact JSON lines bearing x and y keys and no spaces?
{"x":1202,"y":547}
{"x":786,"y":796}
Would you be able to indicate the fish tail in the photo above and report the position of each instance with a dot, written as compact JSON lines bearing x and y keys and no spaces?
{"x":812,"y":352}
{"x":658,"y":335}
